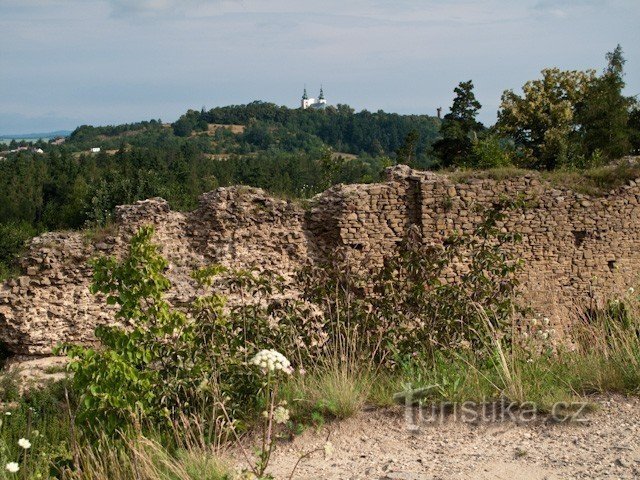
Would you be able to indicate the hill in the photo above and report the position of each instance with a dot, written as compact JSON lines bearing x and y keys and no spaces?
{"x":288,"y":152}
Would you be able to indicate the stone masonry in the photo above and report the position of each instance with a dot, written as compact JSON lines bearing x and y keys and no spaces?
{"x":570,"y":243}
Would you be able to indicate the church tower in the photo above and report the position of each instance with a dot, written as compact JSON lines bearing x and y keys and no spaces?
{"x":321,"y":98}
{"x":319,"y":103}
{"x":306,"y":102}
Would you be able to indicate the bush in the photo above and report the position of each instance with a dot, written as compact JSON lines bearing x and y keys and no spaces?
{"x":143,"y":370}
{"x":491,"y":152}
{"x":13,"y":237}
{"x":408,"y":308}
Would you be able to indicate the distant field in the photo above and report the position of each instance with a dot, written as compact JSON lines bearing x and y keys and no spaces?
{"x":212,"y":127}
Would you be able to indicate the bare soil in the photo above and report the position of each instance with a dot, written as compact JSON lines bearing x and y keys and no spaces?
{"x":377,"y":445}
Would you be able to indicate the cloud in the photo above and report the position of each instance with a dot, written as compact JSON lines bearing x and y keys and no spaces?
{"x":124,"y":60}
{"x":151,"y":8}
{"x":565,"y":8}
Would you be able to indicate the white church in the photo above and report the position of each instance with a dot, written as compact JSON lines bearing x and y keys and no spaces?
{"x":315,"y":103}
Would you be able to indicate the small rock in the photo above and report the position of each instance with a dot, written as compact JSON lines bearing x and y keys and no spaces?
{"x":621,"y":462}
{"x":403,"y":476}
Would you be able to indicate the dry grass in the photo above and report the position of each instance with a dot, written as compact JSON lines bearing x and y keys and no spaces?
{"x":145,"y":459}
{"x":336,"y":390}
{"x":595,"y":182}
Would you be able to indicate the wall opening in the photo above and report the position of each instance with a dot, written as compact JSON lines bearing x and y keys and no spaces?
{"x":612,"y":265}
{"x":414,"y":203}
{"x":579,"y":237}
{"x":5,"y":354}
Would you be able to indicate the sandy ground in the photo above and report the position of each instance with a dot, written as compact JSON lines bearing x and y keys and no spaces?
{"x":377,"y":445}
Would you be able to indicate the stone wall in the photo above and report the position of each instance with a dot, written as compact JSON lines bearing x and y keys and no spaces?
{"x":569,"y":242}
{"x":573,"y":245}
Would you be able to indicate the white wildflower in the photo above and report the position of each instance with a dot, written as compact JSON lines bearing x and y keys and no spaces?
{"x":24,"y":443}
{"x":545,"y":320}
{"x":12,"y":467}
{"x":281,"y":415}
{"x":631,"y":290}
{"x":271,"y":361}
{"x":534,"y":321}
{"x":8,"y":414}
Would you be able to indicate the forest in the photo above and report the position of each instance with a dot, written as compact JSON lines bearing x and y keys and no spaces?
{"x":565,"y":121}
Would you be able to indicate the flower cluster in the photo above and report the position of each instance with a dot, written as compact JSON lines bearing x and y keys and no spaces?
{"x":539,"y":334}
{"x":281,"y":415}
{"x":272,"y":361}
{"x":14,"y":467}
{"x":24,"y":443}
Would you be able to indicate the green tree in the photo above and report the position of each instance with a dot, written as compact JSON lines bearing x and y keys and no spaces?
{"x":542,"y":121}
{"x":13,"y":237}
{"x":460,"y":128}
{"x":407,"y":152}
{"x":133,"y":371}
{"x":465,"y":106}
{"x":490,"y":152}
{"x":634,"y":128}
{"x":603,"y":115}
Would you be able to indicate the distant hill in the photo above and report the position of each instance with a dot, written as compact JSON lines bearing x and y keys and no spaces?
{"x":36,"y":136}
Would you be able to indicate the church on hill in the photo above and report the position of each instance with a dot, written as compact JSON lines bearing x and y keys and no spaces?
{"x":314,"y":103}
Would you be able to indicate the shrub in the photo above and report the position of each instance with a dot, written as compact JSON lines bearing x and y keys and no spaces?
{"x":490,"y":152}
{"x":147,"y":368}
{"x":13,"y":237}
{"x":409,"y":308}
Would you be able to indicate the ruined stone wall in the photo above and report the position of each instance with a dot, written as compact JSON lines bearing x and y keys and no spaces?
{"x":569,"y":242}
{"x":238,"y":227}
{"x":574,"y":246}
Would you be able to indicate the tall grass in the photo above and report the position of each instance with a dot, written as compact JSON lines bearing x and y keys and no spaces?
{"x":146,"y":459}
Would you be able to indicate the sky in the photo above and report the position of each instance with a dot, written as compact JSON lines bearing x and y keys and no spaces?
{"x":64,"y":63}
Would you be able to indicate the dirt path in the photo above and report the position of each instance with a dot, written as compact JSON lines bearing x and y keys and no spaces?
{"x":377,"y":445}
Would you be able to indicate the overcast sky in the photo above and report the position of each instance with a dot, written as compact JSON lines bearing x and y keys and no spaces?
{"x":70,"y":62}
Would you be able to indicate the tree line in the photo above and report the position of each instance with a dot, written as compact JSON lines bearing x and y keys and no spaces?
{"x":565,"y":119}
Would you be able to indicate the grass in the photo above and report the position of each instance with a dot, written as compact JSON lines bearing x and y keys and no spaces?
{"x":99,"y":233}
{"x":62,"y":452}
{"x":337,"y":390}
{"x":146,"y":459}
{"x":602,"y":357}
{"x":595,"y":181}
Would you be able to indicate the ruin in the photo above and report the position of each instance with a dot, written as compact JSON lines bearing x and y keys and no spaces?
{"x":570,"y":241}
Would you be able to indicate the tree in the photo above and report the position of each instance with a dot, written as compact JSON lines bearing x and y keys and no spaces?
{"x":542,"y":121}
{"x":460,"y":128}
{"x":465,"y":106}
{"x":603,"y":115}
{"x":407,"y":152}
{"x":634,"y":128}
